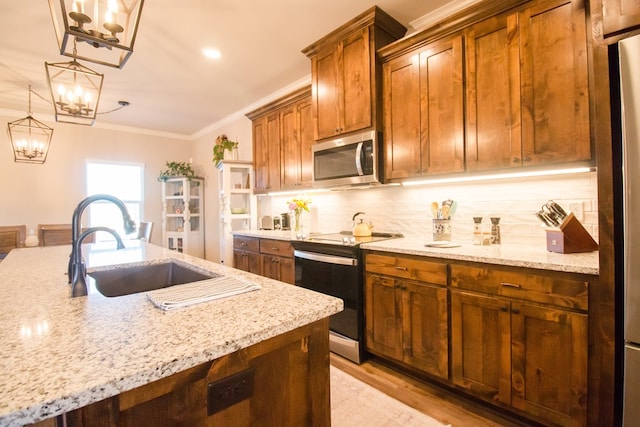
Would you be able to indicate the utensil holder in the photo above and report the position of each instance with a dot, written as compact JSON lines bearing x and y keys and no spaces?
{"x":571,"y":237}
{"x":441,"y":229}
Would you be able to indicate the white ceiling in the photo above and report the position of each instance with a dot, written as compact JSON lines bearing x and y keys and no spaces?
{"x":171,"y":87}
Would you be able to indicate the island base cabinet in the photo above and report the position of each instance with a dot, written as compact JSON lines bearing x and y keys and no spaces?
{"x":528,"y":357}
{"x":282,"y":381}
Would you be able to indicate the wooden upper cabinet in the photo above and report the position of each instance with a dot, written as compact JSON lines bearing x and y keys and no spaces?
{"x":344,"y":70}
{"x":619,"y":16}
{"x":423,"y":111}
{"x":266,"y":153}
{"x":282,"y":141}
{"x":493,"y":94}
{"x":342,"y":78}
{"x":527,"y":88}
{"x":554,"y":81}
{"x":297,"y":142}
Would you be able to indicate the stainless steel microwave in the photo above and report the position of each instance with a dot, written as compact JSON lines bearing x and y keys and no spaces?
{"x":350,"y":160}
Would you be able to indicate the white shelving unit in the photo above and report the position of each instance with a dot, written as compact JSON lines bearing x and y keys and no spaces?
{"x":183,"y":215}
{"x":238,"y":204}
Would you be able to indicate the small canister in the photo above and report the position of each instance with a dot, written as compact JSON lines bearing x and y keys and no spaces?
{"x":442,"y":229}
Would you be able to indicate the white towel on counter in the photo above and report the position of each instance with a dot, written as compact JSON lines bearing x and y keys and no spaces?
{"x":201,"y":291}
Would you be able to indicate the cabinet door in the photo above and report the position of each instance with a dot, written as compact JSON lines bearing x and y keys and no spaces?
{"x":401,"y":103}
{"x":273,"y":144}
{"x":305,"y":132}
{"x":297,"y":141}
{"x":481,"y":345}
{"x":620,"y":15}
{"x":356,"y":81}
{"x":550,"y":350}
{"x":493,"y":94}
{"x":260,"y":154}
{"x":425,"y":330}
{"x":278,"y":268}
{"x":327,"y":92}
{"x":555,"y":89}
{"x":246,"y":261}
{"x":441,"y":107}
{"x":290,"y":176}
{"x":383,"y":314}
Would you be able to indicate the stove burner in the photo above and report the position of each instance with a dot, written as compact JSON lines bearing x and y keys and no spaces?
{"x":345,"y":238}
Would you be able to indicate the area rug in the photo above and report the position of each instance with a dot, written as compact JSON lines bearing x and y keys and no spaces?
{"x":356,"y":404}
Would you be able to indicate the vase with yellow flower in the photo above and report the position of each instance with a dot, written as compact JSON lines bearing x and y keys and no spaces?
{"x":297,"y":206}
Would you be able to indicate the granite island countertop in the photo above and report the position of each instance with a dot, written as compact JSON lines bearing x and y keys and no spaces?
{"x":60,"y":353}
{"x":527,"y":256}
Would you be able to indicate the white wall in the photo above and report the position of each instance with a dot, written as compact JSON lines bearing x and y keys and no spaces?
{"x":48,"y":193}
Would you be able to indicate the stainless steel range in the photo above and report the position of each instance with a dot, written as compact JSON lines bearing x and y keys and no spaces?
{"x":333,"y":264}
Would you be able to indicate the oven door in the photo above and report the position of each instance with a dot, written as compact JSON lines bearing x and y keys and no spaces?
{"x":337,"y":276}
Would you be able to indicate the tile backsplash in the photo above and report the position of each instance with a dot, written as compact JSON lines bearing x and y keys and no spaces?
{"x":407,"y":209}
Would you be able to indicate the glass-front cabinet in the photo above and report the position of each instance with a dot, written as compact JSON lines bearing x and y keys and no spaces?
{"x":183,"y":215}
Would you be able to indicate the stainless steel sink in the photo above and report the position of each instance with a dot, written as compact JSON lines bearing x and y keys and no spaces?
{"x":143,"y":278}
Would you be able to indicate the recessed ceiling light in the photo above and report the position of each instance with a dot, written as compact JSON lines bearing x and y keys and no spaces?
{"x":212,"y":53}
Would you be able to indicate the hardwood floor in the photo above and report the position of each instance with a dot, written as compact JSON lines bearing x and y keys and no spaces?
{"x":436,"y":402}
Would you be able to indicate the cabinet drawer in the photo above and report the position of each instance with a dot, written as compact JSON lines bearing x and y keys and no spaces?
{"x":407,"y":267}
{"x":251,"y":244}
{"x":554,"y":288}
{"x":276,"y":247}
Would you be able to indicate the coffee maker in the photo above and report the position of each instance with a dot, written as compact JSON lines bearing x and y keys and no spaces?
{"x":285,"y":221}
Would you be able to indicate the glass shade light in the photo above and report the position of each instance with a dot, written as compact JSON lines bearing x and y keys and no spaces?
{"x":105,"y":29}
{"x":75,"y":92}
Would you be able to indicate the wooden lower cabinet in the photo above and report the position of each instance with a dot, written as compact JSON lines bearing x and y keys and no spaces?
{"x":266,"y":257}
{"x":516,"y":338}
{"x":530,"y":357}
{"x":287,"y":380}
{"x":406,"y":320}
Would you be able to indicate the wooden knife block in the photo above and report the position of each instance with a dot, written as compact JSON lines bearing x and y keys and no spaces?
{"x":572,"y":237}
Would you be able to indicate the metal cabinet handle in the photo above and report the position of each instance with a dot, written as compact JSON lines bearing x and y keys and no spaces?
{"x":504,"y":309}
{"x":401,"y":268}
{"x":515,"y":311}
{"x":275,"y":249}
{"x":510,"y":285}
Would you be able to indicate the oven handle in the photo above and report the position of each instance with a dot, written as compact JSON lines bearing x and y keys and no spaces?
{"x":329,"y":259}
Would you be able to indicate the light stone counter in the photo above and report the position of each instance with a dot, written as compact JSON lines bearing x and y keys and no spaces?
{"x":513,"y":255}
{"x":60,"y":353}
{"x":267,"y":234}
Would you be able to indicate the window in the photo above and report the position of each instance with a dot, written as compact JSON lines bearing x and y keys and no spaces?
{"x":122,"y":180}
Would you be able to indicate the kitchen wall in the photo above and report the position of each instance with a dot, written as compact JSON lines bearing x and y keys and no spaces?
{"x":407,"y":209}
{"x":47,"y":193}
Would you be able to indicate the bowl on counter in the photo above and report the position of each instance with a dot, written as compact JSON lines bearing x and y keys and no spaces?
{"x":238,"y":210}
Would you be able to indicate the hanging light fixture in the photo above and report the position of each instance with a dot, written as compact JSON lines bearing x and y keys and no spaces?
{"x":106,"y":28}
{"x":75,"y":92}
{"x":30,"y":139}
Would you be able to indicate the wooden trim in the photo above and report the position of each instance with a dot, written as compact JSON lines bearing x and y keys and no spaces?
{"x":372,"y":16}
{"x":284,"y":101}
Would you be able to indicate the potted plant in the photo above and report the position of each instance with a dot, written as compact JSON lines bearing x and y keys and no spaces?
{"x":177,"y":169}
{"x":222,"y":144}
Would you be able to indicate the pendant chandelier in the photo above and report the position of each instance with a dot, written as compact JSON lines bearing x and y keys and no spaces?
{"x":75,"y":92}
{"x":30,"y":139}
{"x":106,"y":29}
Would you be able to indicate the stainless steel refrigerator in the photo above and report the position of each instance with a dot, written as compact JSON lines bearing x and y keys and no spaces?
{"x":629,"y":54}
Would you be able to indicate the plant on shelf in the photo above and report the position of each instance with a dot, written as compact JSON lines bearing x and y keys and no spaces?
{"x":222,"y":144}
{"x":177,"y":169}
